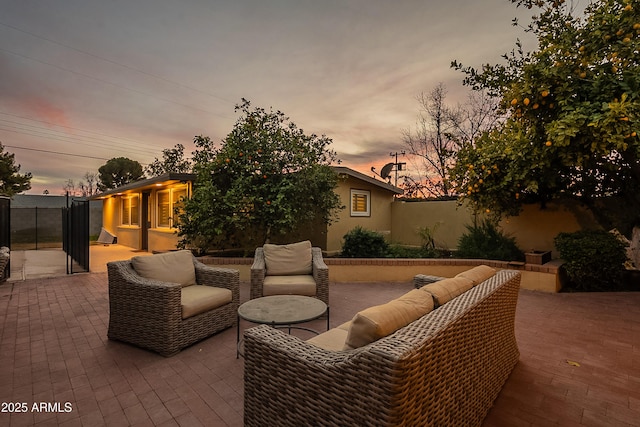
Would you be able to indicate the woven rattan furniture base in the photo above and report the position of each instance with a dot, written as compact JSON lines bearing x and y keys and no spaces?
{"x":281,"y":310}
{"x":444,"y":369}
{"x":148,"y":313}
{"x":320,"y":273}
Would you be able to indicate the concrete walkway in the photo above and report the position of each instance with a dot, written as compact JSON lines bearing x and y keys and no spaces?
{"x":53,"y":262}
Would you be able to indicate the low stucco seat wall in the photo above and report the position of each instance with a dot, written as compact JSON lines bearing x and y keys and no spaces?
{"x":544,"y":278}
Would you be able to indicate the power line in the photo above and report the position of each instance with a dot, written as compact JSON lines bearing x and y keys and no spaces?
{"x":55,"y":152}
{"x":110,"y":83}
{"x":125,"y":140}
{"x":110,"y":61}
{"x":38,"y":131}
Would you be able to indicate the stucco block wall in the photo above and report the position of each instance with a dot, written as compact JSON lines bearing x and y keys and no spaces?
{"x":533,"y":229}
{"x":445,"y":217}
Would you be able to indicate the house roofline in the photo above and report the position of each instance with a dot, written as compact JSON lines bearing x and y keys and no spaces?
{"x":189,"y":177}
{"x":355,"y":174}
{"x":146,"y":184}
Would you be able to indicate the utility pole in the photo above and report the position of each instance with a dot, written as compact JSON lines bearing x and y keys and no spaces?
{"x":398,"y":166}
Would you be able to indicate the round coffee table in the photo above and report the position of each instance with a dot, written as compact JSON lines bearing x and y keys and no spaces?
{"x":282,"y":311}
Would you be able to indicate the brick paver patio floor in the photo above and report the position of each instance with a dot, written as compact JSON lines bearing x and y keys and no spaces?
{"x":579,"y":364}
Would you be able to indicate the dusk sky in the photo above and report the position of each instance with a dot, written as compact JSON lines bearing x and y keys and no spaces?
{"x":82,"y":81}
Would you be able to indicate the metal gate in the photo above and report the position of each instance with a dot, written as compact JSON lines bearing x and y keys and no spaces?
{"x":75,"y":235}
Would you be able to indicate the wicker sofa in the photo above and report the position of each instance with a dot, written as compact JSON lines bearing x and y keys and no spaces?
{"x":158,"y":313}
{"x":444,"y":369}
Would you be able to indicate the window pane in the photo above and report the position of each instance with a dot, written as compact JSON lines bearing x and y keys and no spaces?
{"x":134,"y":210}
{"x":359,"y":203}
{"x":164,"y":210}
{"x":125,"y":211}
{"x":178,"y":202}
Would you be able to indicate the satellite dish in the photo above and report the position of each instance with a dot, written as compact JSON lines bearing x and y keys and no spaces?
{"x":386,"y":169}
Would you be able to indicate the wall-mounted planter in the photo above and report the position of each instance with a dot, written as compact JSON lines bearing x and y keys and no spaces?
{"x":537,"y":257}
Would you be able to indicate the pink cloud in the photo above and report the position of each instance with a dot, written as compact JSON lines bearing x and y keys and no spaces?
{"x":47,"y":112}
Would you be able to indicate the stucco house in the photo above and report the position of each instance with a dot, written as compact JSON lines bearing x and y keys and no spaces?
{"x":367,"y":204}
{"x":139,"y":214}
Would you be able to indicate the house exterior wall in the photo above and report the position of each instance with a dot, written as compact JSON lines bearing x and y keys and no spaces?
{"x":380,"y":212}
{"x":160,"y":238}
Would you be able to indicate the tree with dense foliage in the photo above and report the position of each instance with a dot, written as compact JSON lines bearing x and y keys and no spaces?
{"x":118,"y":172}
{"x":267,"y":178}
{"x":11,"y":181}
{"x":440,"y":132}
{"x":573,"y":106}
{"x":172,"y":161}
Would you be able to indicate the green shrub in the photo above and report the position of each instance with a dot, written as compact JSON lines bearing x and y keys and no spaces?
{"x":593,"y":260}
{"x":362,"y":243}
{"x":485,"y":241}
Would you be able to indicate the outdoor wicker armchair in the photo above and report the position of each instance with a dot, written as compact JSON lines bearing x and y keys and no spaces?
{"x":150,"y":313}
{"x":296,"y":268}
{"x":5,"y":256}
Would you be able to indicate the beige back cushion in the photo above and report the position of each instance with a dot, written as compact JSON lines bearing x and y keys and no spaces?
{"x":478,"y":274}
{"x":379,"y":321}
{"x":173,"y":267}
{"x":286,"y":260}
{"x":447,"y":289}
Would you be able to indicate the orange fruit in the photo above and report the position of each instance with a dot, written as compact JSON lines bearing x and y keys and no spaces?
{"x":548,"y":143}
{"x":544,"y":93}
{"x":526,"y":101}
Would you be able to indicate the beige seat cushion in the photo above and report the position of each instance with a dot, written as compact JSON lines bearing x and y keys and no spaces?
{"x":478,"y":274}
{"x":284,"y":260}
{"x":197,"y":299}
{"x":445,"y":290}
{"x":173,"y":267}
{"x":289,"y":285}
{"x":379,"y":321}
{"x":334,"y":339}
